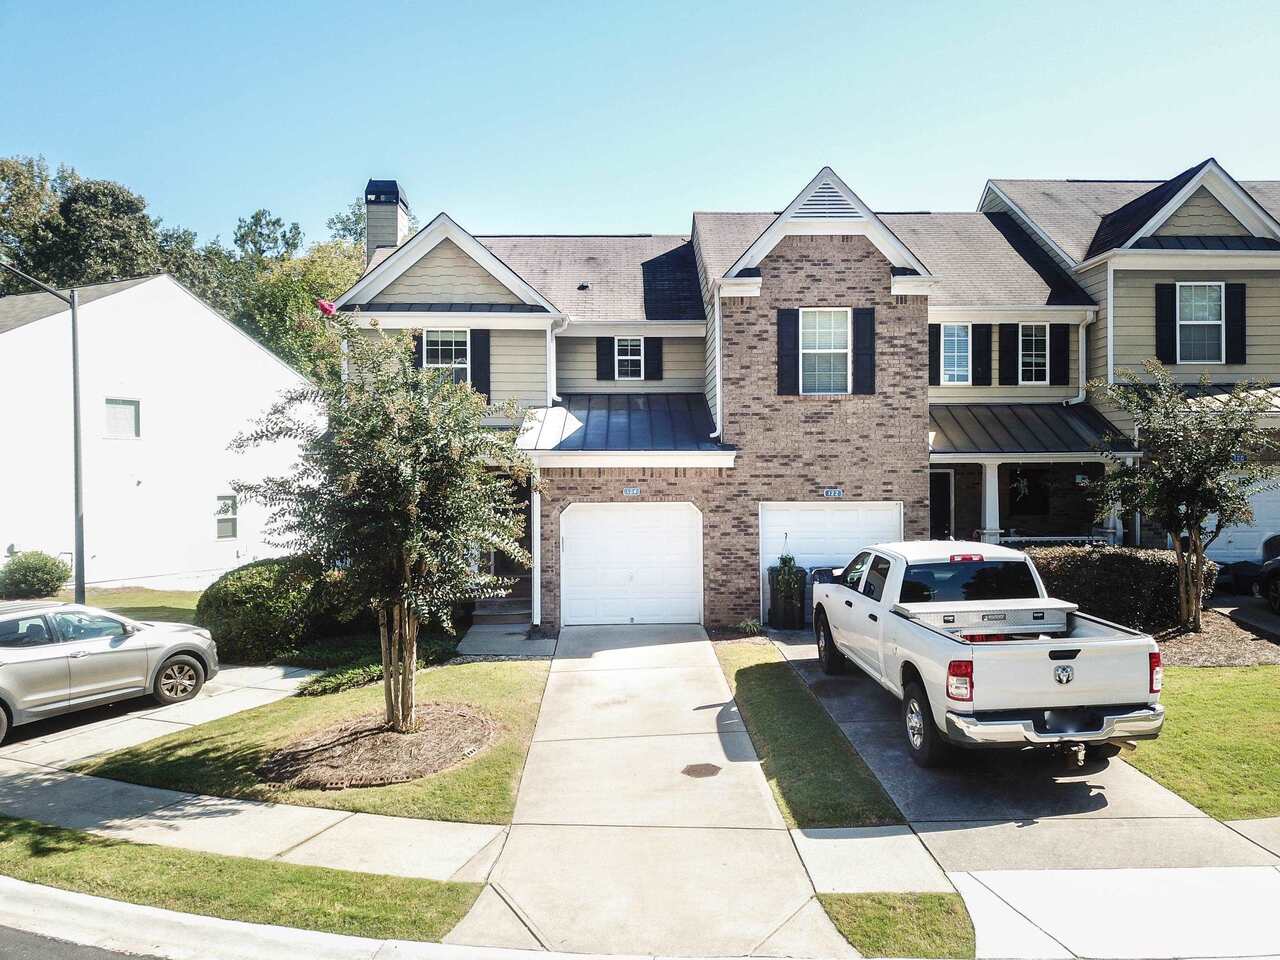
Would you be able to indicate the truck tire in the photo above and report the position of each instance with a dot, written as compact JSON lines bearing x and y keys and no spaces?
{"x":1272,"y":594}
{"x":833,"y":661}
{"x":924,"y":741}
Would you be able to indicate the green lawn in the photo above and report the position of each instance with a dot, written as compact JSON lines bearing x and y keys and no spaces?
{"x":1220,"y":747}
{"x":220,"y":758}
{"x":234,"y":888}
{"x":816,"y":776}
{"x":138,"y":603}
{"x":902,"y":924}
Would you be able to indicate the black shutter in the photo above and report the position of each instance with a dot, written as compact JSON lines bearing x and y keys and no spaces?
{"x":1234,"y":312}
{"x":1059,"y":354}
{"x":480,"y":362}
{"x":1010,"y":354}
{"x":788,"y":352}
{"x":1166,"y":323}
{"x":417,"y":349}
{"x":604,"y":358}
{"x":864,"y":350}
{"x":982,"y":354}
{"x":653,"y":358}
{"x":935,"y":354}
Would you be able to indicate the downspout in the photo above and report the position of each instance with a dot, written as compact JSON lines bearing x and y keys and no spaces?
{"x":552,"y":394}
{"x":1083,"y":361}
{"x":715,"y":434}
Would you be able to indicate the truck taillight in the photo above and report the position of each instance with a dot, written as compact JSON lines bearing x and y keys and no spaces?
{"x":1157,"y":672}
{"x":960,"y":680}
{"x":985,"y":637}
{"x":966,"y":558}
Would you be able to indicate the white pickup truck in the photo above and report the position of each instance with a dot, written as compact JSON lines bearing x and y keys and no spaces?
{"x":965,"y":636}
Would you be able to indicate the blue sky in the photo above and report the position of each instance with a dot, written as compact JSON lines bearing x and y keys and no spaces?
{"x":593,"y":117}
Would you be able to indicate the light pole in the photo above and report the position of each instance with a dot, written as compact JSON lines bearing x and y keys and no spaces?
{"x":72,"y":299}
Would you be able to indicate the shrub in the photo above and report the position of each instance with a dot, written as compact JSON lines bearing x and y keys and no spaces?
{"x":32,"y":574}
{"x":257,"y":611}
{"x":1131,"y":587}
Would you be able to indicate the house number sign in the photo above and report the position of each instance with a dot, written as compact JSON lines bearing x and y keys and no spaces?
{"x":833,"y":493}
{"x":631,"y":491}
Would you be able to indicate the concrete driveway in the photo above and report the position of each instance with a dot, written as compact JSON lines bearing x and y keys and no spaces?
{"x":644,"y":824}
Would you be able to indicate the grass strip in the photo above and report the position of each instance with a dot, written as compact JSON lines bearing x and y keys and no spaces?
{"x":902,"y":924}
{"x":234,"y":888}
{"x":1220,"y":746}
{"x":817,"y":777}
{"x":222,"y":757}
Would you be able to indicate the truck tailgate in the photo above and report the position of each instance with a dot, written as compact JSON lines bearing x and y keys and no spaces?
{"x":1020,"y":674}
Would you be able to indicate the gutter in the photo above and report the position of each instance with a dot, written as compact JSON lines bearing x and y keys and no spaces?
{"x":715,"y":434}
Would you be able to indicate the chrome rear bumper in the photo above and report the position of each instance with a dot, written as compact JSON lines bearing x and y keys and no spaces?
{"x":1141,"y":724}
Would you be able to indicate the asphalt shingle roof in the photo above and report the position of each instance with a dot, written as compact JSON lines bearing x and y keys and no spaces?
{"x":604,"y":278}
{"x":20,"y":309}
{"x":724,"y":237}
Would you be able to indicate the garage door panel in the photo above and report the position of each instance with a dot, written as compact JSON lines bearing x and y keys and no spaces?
{"x":631,"y":563}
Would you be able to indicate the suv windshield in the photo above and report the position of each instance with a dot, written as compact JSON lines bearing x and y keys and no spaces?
{"x":981,"y":580}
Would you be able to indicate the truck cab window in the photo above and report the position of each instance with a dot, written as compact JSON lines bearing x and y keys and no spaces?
{"x":876,"y":578}
{"x":853,"y":572}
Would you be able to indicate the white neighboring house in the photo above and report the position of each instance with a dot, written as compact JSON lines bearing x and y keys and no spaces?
{"x":165,"y":384}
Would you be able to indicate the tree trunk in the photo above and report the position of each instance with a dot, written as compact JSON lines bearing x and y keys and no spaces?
{"x":1184,"y":616}
{"x":1197,"y":580}
{"x":398,"y":632}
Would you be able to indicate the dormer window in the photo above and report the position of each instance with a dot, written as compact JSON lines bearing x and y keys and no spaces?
{"x":1201,"y":327}
{"x":628,"y":358}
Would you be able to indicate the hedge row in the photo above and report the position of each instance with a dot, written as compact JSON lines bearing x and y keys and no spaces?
{"x":1132,"y":587}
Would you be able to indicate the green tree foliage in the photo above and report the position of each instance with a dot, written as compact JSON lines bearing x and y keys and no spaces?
{"x":348,"y":224}
{"x":399,"y":488}
{"x":1202,"y":458}
{"x":261,"y":236}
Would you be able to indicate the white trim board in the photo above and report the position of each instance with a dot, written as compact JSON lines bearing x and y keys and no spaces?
{"x":631,"y":459}
{"x":1226,"y":191}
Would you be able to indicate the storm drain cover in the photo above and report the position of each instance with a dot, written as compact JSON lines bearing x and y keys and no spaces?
{"x":700,"y":770}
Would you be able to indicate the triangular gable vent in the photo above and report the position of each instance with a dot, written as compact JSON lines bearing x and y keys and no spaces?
{"x":827,"y":203}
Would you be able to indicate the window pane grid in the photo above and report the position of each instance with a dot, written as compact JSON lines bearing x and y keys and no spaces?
{"x":629,"y":358}
{"x":226,"y":522}
{"x":1200,"y":323}
{"x":1035,"y":353}
{"x":824,"y":351}
{"x":955,"y":353}
{"x":446,"y":349}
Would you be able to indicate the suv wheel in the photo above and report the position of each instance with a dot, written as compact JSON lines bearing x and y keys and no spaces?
{"x":832,"y":660}
{"x":1273,"y":594}
{"x":924,"y":741}
{"x":180,"y":678}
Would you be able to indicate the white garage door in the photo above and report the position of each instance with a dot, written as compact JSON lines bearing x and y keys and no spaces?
{"x":1250,"y":542}
{"x":630,"y":563}
{"x":819,"y":533}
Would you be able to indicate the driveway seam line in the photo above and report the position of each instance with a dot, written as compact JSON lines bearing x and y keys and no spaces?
{"x":519,"y":914}
{"x":1037,"y":926}
{"x":1256,"y":843}
{"x":324,"y":829}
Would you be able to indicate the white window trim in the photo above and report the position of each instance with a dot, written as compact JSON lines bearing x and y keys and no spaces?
{"x":617,"y":370}
{"x":137,"y":406}
{"x":446,"y":366}
{"x":942,"y":356}
{"x":235,"y":516}
{"x":1048,"y":350}
{"x":1221,"y":321}
{"x":847,"y":351}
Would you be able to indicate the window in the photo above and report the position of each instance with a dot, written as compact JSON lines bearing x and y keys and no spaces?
{"x":955,"y":353}
{"x":824,"y":351}
{"x":1033,"y":344}
{"x":1201,"y":330}
{"x":968,"y":580}
{"x":24,"y":632}
{"x":853,"y":572}
{"x":124,"y":418}
{"x":447,"y":350}
{"x":228,"y":528}
{"x":83,"y":625}
{"x":876,"y":577}
{"x":628,"y":358}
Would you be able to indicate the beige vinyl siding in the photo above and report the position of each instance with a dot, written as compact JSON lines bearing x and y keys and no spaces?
{"x":1023,"y":393}
{"x":518,"y":367}
{"x":1135,"y":322}
{"x":445,"y":275}
{"x":1094,"y":283}
{"x":682,"y":368}
{"x":710,"y":346}
{"x":1202,"y":215}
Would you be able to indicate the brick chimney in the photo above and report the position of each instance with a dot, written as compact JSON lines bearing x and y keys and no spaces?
{"x":386,"y":216}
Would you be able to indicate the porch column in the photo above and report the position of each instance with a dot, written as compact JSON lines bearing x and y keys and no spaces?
{"x":1114,"y":520}
{"x":991,"y":502}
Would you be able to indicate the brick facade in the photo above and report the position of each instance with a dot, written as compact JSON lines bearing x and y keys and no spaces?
{"x":790,"y":447}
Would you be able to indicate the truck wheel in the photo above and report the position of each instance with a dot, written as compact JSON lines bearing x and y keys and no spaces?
{"x":1273,"y":594}
{"x":832,"y":660}
{"x":928,"y":748}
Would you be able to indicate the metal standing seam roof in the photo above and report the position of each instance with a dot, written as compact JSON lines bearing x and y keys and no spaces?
{"x":1215,"y":393}
{"x":1019,"y":428}
{"x":1205,"y":243}
{"x":622,"y":422}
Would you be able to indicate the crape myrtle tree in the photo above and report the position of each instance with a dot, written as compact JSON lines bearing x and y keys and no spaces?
{"x":400,"y":486}
{"x":1202,"y":457}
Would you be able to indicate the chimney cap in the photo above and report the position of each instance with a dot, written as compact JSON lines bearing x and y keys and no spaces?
{"x":385,"y":191}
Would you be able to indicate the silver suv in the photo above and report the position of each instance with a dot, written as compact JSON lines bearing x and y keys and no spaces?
{"x":59,"y":657}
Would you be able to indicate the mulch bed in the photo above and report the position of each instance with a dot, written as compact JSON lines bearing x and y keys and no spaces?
{"x":1222,"y":643}
{"x":363,"y":752}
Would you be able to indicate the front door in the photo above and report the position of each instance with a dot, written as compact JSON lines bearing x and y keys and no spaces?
{"x":33,"y":665}
{"x":941,"y":505}
{"x":104,"y":656}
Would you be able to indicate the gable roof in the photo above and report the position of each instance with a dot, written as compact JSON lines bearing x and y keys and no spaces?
{"x":722,"y":237}
{"x":19,"y":309}
{"x":1117,"y":228}
{"x":984,"y":259}
{"x":1071,"y":212}
{"x":630,"y":278}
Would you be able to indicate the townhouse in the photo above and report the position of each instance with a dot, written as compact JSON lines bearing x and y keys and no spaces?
{"x":818,"y":378}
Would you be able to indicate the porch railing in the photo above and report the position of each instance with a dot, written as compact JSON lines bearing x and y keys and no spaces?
{"x":1104,"y":539}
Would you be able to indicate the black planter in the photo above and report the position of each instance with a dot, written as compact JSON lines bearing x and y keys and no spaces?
{"x":785,"y":614}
